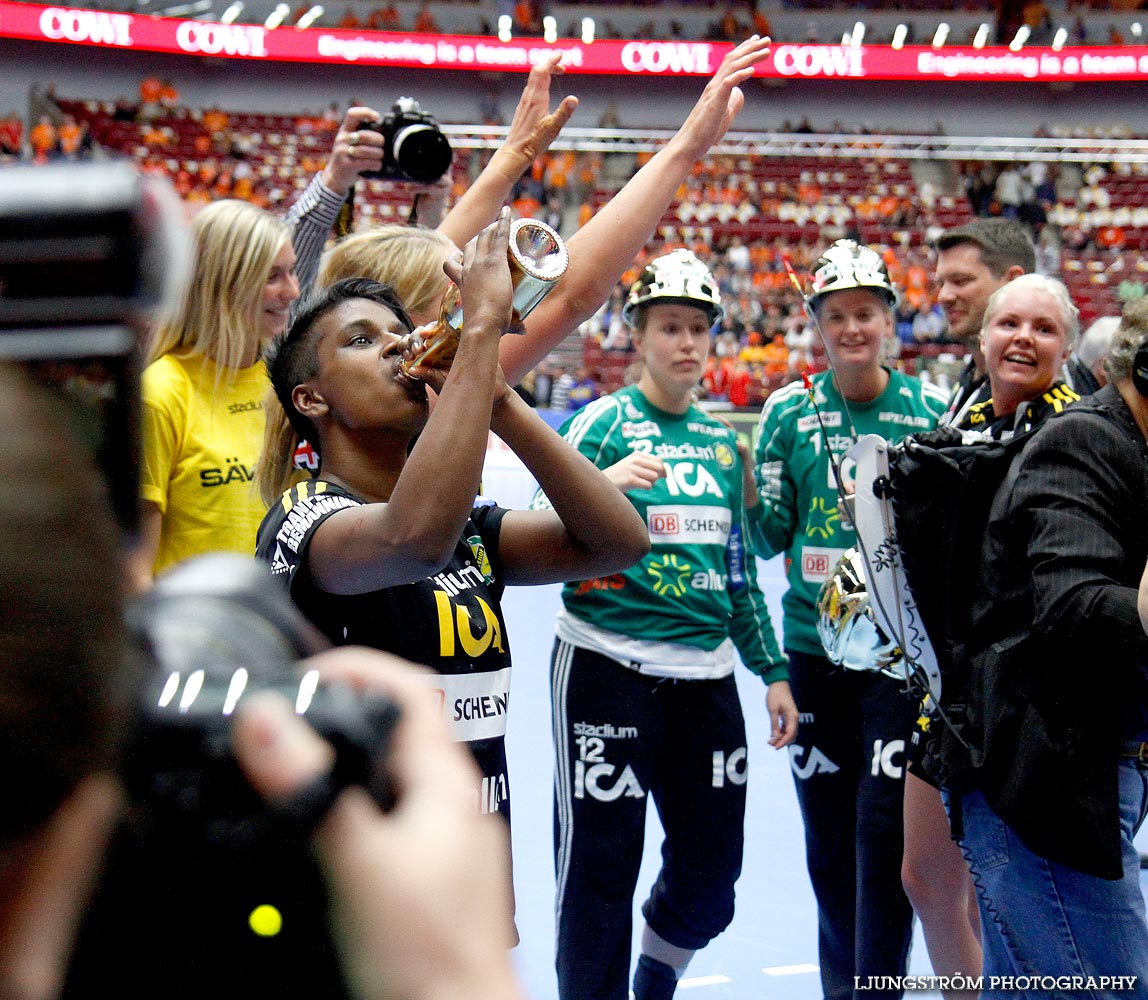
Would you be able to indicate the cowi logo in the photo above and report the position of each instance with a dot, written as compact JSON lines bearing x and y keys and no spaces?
{"x":98,"y":27}
{"x":819,"y":60}
{"x":668,"y":57}
{"x":671,"y":576}
{"x":210,"y":39}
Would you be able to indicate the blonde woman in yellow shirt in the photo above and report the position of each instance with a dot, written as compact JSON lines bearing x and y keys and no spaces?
{"x":204,"y":389}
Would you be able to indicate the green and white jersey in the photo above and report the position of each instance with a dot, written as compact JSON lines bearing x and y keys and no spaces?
{"x":681,"y":610}
{"x":798,"y":513}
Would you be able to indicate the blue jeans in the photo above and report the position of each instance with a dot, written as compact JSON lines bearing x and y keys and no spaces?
{"x":1043,"y":919}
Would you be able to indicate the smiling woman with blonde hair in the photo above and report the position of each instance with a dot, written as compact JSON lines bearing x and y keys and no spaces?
{"x":851,"y":810}
{"x":204,"y":386}
{"x":1029,"y":328}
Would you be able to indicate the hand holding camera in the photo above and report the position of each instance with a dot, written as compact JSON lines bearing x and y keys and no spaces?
{"x":355,"y":149}
{"x":406,"y":144}
{"x":414,"y":147}
{"x":434,"y":858}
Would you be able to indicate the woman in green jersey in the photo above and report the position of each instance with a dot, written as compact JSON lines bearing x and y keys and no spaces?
{"x":849,"y":769}
{"x":644,"y":698}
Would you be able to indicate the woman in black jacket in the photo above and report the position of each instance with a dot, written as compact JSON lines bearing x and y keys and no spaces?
{"x":1058,"y":700}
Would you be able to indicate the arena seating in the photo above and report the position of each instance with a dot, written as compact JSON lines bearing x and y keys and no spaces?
{"x":770,"y":204}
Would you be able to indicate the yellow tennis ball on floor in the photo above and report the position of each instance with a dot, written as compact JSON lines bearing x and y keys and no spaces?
{"x":265,"y":920}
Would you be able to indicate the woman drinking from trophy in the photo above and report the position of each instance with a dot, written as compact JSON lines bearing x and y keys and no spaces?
{"x":386,"y":546}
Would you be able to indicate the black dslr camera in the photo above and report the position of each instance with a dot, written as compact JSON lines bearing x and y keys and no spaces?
{"x":207,"y":890}
{"x":414,"y":147}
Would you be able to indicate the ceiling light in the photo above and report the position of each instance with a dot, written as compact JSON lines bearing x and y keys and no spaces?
{"x":277,"y":16}
{"x":311,"y":16}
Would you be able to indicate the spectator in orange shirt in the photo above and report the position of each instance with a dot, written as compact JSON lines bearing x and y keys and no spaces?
{"x":1110,"y":237}
{"x":150,"y":90}
{"x":11,"y":137}
{"x":155,"y":137}
{"x":775,"y":356}
{"x":43,"y":139}
{"x":809,"y":193}
{"x":525,"y":206}
{"x":168,"y":95}
{"x":528,"y":17}
{"x":729,"y":29}
{"x":216,"y":120}
{"x":761,"y":24}
{"x":424,"y":19}
{"x":349,"y":21}
{"x":390,"y":17}
{"x":68,"y":137}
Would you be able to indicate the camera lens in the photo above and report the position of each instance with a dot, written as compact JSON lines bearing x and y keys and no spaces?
{"x":422,"y":153}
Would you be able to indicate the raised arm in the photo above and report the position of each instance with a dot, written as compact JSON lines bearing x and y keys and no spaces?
{"x":317,"y":208}
{"x":602,"y":249}
{"x":531,"y":131}
{"x":592,"y":530}
{"x":378,"y":545}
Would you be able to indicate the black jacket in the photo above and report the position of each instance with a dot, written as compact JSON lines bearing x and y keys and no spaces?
{"x":1057,"y":648}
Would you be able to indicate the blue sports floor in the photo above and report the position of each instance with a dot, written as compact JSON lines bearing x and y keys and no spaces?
{"x":770,"y":950}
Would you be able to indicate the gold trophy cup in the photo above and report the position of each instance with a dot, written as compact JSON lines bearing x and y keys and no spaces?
{"x":538,"y":258}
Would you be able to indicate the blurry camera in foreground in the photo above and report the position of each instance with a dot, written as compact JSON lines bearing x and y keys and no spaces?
{"x":414,"y":147}
{"x":208,"y":889}
{"x":88,"y":252}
